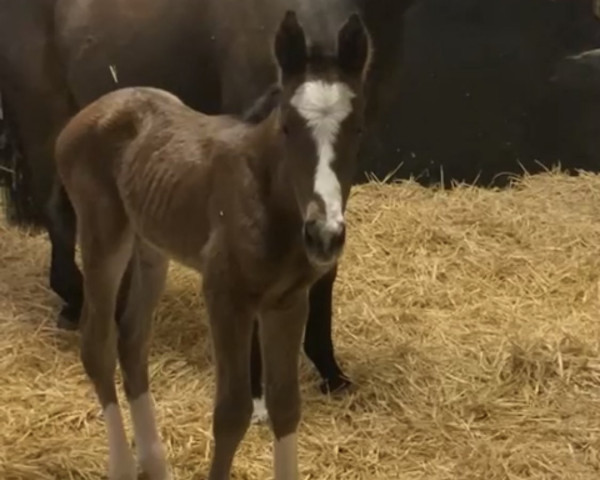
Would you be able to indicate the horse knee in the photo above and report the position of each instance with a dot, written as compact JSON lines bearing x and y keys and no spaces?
{"x":99,"y":360}
{"x":95,"y":360}
{"x":134,"y":366}
{"x":232,"y":414}
{"x":231,"y":420}
{"x":284,"y":407}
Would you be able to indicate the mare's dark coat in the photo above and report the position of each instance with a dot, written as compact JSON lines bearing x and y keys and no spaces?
{"x":214,"y":54}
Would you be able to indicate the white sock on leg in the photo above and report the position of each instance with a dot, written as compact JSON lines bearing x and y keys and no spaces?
{"x":151,"y":453}
{"x":285,"y":457}
{"x":121,"y":464}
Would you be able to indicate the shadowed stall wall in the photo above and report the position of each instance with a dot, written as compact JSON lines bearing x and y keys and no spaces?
{"x":484,"y":87}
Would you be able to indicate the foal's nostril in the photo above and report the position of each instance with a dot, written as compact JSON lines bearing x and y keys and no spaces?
{"x":338,"y":238}
{"x":323,"y":240}
{"x":311,"y":234}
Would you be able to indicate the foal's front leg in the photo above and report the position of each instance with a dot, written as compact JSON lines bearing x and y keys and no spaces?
{"x":231,"y":322}
{"x":281,"y":329}
{"x":318,"y":346}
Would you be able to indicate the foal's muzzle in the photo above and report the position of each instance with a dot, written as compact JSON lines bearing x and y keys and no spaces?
{"x":323,"y":241}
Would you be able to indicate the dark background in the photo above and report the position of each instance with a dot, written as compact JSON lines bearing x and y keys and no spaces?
{"x":474,"y":90}
{"x":483,"y":88}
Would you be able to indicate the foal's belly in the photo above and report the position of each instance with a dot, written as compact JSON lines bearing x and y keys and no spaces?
{"x":183,"y":243}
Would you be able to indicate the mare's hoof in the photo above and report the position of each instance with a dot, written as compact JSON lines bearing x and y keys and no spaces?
{"x":338,"y":384}
{"x":68,"y":319}
{"x":66,"y":324}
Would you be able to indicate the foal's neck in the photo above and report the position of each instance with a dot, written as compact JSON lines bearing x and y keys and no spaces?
{"x":271,"y":170}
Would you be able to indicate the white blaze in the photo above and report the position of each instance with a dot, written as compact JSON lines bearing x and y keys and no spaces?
{"x":324,"y":106}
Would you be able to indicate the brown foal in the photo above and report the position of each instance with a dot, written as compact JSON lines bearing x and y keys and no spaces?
{"x":258,"y":210}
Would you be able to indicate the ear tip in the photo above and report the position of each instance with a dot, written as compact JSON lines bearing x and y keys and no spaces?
{"x":355,"y":19}
{"x":290,"y":16}
{"x":289,"y":21}
{"x":354,"y":23}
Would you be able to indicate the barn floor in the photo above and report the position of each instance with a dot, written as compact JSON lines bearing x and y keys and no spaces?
{"x":470,"y":321}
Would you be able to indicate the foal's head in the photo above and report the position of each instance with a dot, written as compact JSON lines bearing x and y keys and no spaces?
{"x":321,"y":122}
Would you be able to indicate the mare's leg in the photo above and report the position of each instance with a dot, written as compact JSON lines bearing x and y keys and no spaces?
{"x":106,"y":244}
{"x":259,"y":412}
{"x":231,"y":323}
{"x":281,"y":331}
{"x":318,"y":344}
{"x":65,"y":278}
{"x":142,"y":291}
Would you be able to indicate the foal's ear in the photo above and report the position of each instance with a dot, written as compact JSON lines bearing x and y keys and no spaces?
{"x":290,"y":45}
{"x":353,"y":46}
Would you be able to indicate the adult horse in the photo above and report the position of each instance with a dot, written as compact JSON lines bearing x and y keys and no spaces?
{"x":213,"y":54}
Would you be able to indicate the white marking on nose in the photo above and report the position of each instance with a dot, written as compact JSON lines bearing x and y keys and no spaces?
{"x":324,"y":106}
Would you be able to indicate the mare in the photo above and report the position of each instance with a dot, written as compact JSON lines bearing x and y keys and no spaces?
{"x":213,"y":54}
{"x":257,"y":209}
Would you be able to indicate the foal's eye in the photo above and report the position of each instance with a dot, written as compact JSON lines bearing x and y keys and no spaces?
{"x":285,"y":130}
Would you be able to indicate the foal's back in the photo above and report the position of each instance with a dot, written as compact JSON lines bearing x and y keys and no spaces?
{"x":142,"y":152}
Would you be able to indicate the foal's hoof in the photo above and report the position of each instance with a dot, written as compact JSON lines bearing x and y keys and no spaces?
{"x":123,"y":472}
{"x":122,"y":466}
{"x":68,"y":319}
{"x":153,"y":462}
{"x":337,"y":384}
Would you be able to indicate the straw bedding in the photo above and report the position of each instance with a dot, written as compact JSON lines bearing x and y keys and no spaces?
{"x":469,"y":319}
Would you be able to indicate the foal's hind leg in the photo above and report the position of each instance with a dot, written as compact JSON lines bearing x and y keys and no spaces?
{"x":259,"y":410}
{"x":106,"y":243}
{"x":145,"y":285}
{"x":281,"y":329}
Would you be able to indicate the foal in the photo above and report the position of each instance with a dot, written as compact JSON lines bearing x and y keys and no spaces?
{"x":257,"y":209}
